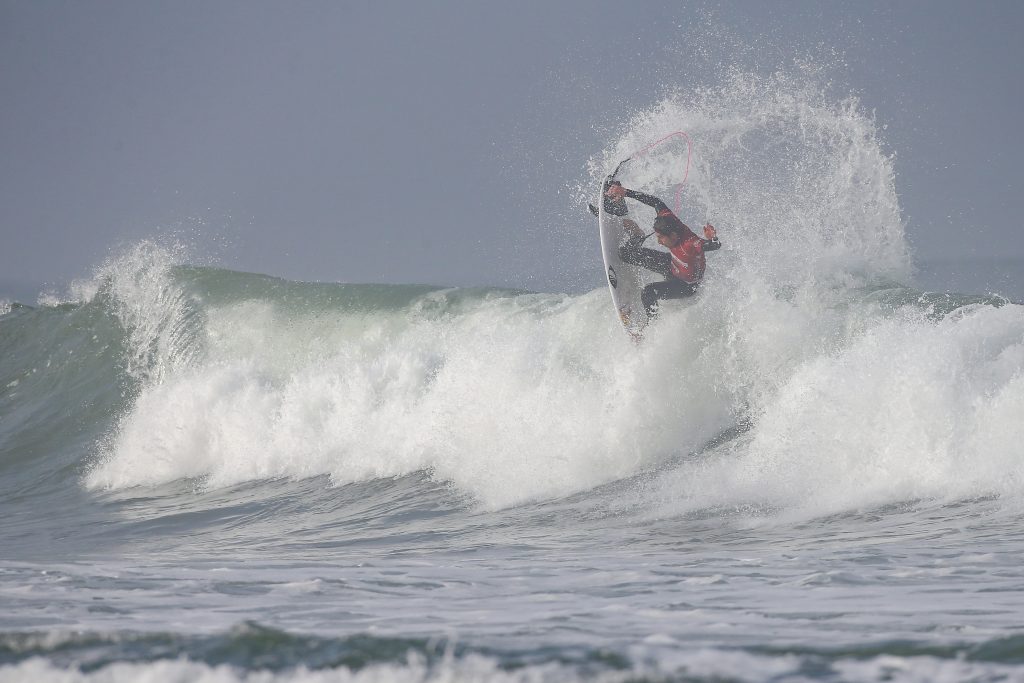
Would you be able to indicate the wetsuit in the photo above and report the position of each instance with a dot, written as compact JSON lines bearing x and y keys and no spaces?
{"x":681,"y":277}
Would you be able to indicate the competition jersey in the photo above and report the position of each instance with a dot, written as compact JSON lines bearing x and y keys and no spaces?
{"x":688,"y":260}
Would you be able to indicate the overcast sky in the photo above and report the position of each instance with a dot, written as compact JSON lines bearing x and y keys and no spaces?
{"x":439,"y":142}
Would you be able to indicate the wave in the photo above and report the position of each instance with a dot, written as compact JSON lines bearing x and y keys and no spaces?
{"x":224,"y":378}
{"x":254,"y":653}
{"x":836,"y":387}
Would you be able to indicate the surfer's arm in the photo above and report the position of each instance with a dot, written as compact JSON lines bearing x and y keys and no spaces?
{"x":649,"y":200}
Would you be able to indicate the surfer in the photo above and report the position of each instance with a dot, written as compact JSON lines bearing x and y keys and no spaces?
{"x":682,"y":265}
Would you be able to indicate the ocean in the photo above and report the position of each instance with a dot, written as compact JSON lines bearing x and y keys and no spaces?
{"x":811,"y":471}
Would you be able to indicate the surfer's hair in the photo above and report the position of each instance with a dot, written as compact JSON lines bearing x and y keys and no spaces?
{"x":666,"y":226}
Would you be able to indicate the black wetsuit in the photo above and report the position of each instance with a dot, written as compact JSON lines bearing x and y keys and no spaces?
{"x":660,"y":262}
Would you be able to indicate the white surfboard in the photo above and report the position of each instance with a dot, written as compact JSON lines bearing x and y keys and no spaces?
{"x":624,"y":281}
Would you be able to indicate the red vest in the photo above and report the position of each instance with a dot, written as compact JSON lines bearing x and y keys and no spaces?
{"x":688,"y":260}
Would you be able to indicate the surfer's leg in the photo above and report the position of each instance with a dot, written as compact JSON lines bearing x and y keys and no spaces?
{"x":669,"y":289}
{"x":658,"y":261}
{"x":649,"y":298}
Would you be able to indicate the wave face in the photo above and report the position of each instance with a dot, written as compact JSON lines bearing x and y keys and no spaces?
{"x":509,"y":470}
{"x":227,"y":378}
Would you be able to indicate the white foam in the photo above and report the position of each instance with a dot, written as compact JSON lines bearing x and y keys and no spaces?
{"x":910,"y":408}
{"x":471,"y":669}
{"x":512,"y":400}
{"x":697,"y":664}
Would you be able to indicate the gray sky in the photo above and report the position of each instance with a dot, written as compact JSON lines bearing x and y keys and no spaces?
{"x":439,"y":142}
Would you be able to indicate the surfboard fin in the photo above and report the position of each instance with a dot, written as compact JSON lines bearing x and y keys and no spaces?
{"x":593,"y":209}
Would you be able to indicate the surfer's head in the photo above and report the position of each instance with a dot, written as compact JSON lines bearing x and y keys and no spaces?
{"x":669,"y":234}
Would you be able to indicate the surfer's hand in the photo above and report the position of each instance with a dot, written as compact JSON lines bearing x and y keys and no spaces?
{"x":615,"y":192}
{"x":709,"y":232}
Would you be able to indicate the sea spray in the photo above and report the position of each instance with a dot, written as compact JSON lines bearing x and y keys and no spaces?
{"x":799,"y":185}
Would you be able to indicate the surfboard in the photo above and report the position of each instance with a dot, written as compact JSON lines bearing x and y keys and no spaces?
{"x":626,"y":282}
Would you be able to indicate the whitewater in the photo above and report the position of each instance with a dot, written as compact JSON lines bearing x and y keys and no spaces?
{"x":810,"y":471}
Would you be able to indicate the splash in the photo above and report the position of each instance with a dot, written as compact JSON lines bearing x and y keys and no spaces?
{"x":800,"y":185}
